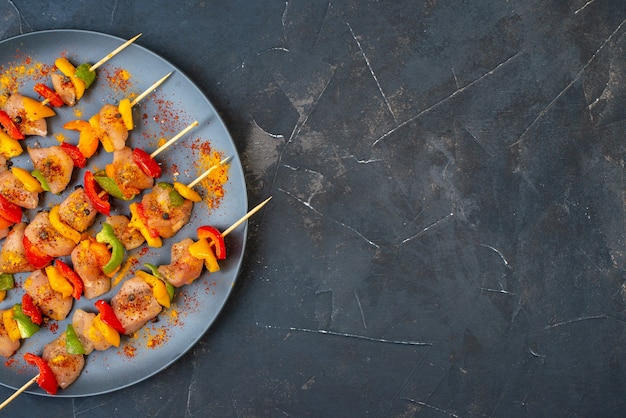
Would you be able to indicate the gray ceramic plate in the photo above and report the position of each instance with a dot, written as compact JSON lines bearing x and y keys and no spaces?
{"x":175,"y":104}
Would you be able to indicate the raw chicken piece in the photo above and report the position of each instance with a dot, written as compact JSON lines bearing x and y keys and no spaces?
{"x":162,"y":215}
{"x":66,"y":367}
{"x":13,"y":190}
{"x":88,"y":264}
{"x":77,"y":211}
{"x":184,"y":268}
{"x":54,"y":164}
{"x":42,"y":234}
{"x":64,"y":88}
{"x":134,"y":304}
{"x":81,"y":321}
{"x":127,"y":175}
{"x":15,"y":109}
{"x":51,"y":302}
{"x":131,"y":239}
{"x":12,"y":257}
{"x":111,"y":122}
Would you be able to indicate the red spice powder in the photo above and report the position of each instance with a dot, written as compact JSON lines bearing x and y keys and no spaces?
{"x":10,"y":362}
{"x":129,"y":350}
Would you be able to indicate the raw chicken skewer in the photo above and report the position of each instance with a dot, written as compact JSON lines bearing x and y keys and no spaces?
{"x":105,"y":58}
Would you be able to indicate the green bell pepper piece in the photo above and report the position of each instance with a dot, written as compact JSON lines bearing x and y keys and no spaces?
{"x":155,"y":272}
{"x":6,"y":281}
{"x":72,"y":342}
{"x":175,"y":198}
{"x":42,"y":179}
{"x":107,"y":235}
{"x":83,"y":72}
{"x":108,"y":185}
{"x":27,"y":327}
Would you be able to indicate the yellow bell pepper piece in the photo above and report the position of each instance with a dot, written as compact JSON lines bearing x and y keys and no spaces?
{"x":35,"y":110}
{"x":58,"y":282}
{"x":10,"y":325}
{"x":102,"y":136}
{"x":69,"y":70}
{"x":158,"y":288}
{"x":202,"y":250}
{"x":125,"y":110}
{"x":63,"y":229}
{"x":3,"y":294}
{"x":88,"y":141}
{"x":9,"y":147}
{"x":109,"y":333}
{"x":187,"y":192}
{"x":30,"y":183}
{"x":136,"y":223}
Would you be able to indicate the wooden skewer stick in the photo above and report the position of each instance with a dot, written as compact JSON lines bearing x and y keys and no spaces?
{"x":19,"y":391}
{"x":246,"y":216}
{"x":174,"y":139}
{"x":114,"y":53}
{"x":149,"y":90}
{"x":206,"y":173}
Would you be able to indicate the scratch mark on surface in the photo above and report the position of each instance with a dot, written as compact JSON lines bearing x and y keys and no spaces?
{"x":298,"y":127}
{"x":584,"y":6}
{"x":428,"y":228}
{"x":354,"y":231}
{"x":358,"y":302}
{"x":504,"y":260}
{"x":113,"y":10}
{"x":545,"y":110}
{"x":456,"y":80}
{"x":341,"y":334}
{"x":581,"y":319}
{"x":590,"y":259}
{"x":506,"y":292}
{"x":434,"y":408}
{"x":278,"y":136}
{"x":19,"y":16}
{"x":283,"y":21}
{"x":324,"y":19}
{"x":445,"y":99}
{"x":368,"y":161}
{"x":371,"y":70}
{"x":535,"y":354}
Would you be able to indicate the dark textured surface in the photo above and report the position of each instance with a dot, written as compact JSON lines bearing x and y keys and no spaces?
{"x":446,"y":236}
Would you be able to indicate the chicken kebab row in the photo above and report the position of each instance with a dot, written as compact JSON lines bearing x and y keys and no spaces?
{"x":139,"y":300}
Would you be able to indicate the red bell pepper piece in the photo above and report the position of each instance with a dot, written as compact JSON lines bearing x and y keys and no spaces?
{"x":108,"y":316}
{"x":48,"y":94}
{"x":10,"y":126}
{"x":32,"y":310}
{"x":72,"y":276}
{"x":92,"y":189}
{"x":77,"y":157}
{"x":10,"y":211}
{"x":146,"y":163}
{"x":37,"y":258}
{"x":46,"y":380}
{"x":216,"y":238}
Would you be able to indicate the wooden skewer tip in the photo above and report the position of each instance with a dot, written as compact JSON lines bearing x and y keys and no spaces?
{"x":150,"y":89}
{"x":206,"y":173}
{"x":19,"y":391}
{"x":246,"y":216}
{"x":114,"y":53}
{"x":174,"y":139}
